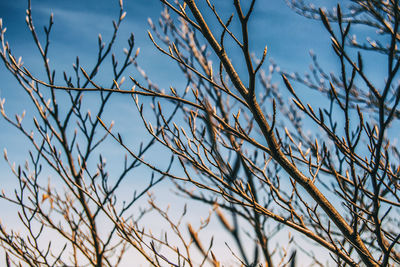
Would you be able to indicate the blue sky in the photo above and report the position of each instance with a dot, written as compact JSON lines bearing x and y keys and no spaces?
{"x":289,"y":38}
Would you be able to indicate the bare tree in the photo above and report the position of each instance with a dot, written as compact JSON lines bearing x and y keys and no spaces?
{"x":245,"y":143}
{"x":80,"y":205}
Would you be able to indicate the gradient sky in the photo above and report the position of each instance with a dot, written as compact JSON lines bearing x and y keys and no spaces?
{"x":78,"y":22}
